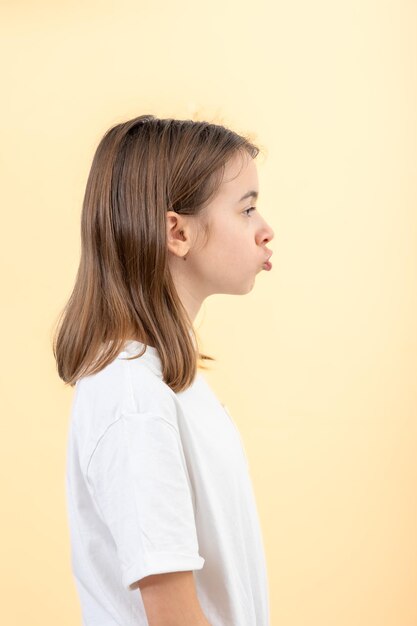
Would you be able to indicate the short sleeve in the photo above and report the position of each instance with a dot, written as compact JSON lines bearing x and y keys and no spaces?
{"x":140,"y":484}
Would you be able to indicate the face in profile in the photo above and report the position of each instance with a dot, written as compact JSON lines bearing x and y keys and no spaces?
{"x":236,"y":246}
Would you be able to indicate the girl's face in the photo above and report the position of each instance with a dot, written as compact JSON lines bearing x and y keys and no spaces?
{"x":236,"y":247}
{"x":232,"y":255}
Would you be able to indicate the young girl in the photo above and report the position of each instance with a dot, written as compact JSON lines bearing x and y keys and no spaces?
{"x":163,"y":521}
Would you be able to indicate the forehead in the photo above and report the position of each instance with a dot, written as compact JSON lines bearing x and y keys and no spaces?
{"x":240,"y":175}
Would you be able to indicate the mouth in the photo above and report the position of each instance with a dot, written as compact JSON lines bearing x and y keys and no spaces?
{"x":267,"y":265}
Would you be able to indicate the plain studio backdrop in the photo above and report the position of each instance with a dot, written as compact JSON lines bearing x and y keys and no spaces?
{"x":318,"y":363}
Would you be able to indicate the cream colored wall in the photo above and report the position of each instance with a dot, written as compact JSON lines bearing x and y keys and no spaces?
{"x":318,"y":363}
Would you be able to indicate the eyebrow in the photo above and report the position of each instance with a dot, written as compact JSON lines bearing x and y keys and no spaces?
{"x":249,"y":194}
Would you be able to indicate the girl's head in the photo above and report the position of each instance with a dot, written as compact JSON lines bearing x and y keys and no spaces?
{"x":163,"y":226}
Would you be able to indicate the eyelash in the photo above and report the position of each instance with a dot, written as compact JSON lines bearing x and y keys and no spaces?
{"x":252,"y":208}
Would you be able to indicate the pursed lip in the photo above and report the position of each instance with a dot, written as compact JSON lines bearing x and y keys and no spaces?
{"x":269,"y":256}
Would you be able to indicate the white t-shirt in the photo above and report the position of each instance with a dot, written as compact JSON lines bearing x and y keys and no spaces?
{"x":156,"y":482}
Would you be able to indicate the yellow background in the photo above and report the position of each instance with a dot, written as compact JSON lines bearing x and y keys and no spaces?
{"x":318,"y":364}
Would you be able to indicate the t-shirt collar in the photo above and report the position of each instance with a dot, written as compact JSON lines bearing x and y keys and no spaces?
{"x":151,"y":355}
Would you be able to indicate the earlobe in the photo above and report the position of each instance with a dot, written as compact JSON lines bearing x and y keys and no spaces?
{"x":182,"y":233}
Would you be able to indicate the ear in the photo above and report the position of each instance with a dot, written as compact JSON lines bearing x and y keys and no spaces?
{"x":178,"y":233}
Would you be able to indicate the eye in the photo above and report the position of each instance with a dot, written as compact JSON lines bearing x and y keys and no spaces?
{"x":252,"y":208}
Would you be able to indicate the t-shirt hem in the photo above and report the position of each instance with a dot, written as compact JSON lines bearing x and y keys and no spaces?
{"x":161,"y":563}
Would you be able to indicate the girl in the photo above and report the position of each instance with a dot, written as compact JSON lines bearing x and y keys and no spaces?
{"x":162,"y":516}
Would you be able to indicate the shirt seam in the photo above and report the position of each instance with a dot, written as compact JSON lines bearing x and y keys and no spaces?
{"x":97,"y":444}
{"x":121,"y":416}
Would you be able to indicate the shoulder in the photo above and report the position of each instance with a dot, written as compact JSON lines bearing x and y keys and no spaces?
{"x":121,"y":387}
{"x":106,"y":391}
{"x":149,"y":393}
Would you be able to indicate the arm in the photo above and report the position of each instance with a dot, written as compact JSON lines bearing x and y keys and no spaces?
{"x":171,"y":600}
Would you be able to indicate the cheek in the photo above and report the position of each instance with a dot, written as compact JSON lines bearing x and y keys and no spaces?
{"x":228,"y":235}
{"x":230,"y":260}
{"x":227,"y":248}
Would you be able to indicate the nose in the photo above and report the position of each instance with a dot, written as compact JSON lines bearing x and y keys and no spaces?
{"x":270,"y":234}
{"x":265,"y":234}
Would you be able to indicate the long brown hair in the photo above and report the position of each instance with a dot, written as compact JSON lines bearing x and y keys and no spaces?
{"x":123,"y":288}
